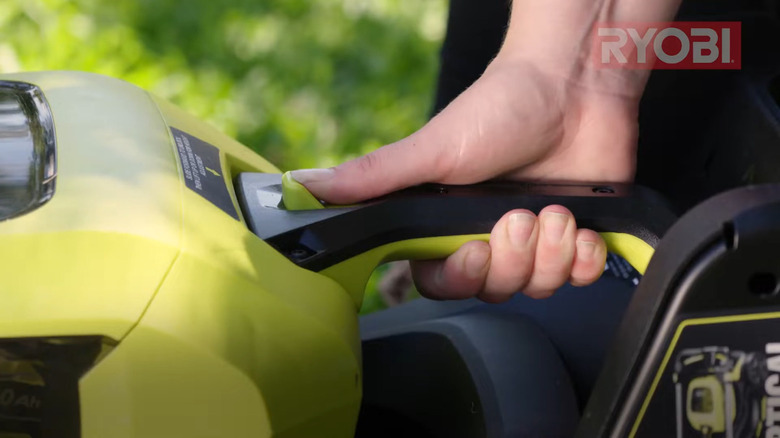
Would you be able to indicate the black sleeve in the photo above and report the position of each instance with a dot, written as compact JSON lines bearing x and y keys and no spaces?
{"x":475,"y":31}
{"x":476,"y":28}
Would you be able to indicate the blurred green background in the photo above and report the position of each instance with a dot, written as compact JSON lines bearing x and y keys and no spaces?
{"x":306,"y":83}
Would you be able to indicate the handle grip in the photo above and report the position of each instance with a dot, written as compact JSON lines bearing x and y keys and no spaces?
{"x":433,"y":220}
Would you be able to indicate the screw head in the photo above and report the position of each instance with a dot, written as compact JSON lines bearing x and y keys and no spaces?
{"x":603,"y":189}
{"x":299,"y":254}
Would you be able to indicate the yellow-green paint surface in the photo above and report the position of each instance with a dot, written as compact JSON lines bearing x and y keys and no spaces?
{"x":218,"y":334}
{"x":353,"y":273}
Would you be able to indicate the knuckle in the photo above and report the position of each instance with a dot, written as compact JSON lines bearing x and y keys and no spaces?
{"x":510,"y":279}
{"x":552,"y":270}
{"x":367,"y":163}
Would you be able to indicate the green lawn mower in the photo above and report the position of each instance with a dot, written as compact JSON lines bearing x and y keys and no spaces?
{"x":159,"y":279}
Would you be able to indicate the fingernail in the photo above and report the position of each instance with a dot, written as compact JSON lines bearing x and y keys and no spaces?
{"x":586,"y":249}
{"x":475,"y":262}
{"x":521,"y":225}
{"x":554,"y":225}
{"x":309,"y":176}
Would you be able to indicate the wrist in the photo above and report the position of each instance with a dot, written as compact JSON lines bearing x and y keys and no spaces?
{"x":556,"y":36}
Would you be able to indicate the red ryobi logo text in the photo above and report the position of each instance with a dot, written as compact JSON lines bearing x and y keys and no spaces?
{"x":714,"y":45}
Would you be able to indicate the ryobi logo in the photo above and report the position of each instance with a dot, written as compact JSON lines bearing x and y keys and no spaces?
{"x":680,"y":45}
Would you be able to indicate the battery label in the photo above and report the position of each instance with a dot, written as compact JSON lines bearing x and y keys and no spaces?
{"x":202,"y":168}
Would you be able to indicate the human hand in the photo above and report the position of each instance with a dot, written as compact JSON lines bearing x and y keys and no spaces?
{"x":531,"y":116}
{"x":516,"y":122}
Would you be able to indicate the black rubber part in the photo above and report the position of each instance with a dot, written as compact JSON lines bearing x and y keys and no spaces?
{"x":317,"y":239}
{"x":701,"y":268}
{"x":449,"y":377}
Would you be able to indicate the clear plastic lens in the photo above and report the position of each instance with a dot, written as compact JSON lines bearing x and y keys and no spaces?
{"x":27,"y":149}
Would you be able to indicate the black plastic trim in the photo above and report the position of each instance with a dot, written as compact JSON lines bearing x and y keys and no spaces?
{"x":697,"y":240}
{"x":317,"y":239}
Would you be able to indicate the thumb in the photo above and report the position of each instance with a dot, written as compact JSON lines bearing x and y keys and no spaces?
{"x":387,"y":169}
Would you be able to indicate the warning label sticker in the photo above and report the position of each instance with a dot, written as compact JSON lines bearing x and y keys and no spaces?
{"x":203,"y":170}
{"x":720,"y":378}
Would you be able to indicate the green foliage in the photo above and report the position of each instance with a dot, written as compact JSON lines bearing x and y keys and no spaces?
{"x":305,"y":83}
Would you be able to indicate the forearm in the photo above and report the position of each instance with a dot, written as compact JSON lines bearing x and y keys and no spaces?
{"x":556,"y":35}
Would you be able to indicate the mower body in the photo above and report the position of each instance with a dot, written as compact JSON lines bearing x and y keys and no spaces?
{"x":156,"y":281}
{"x":136,"y":302}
